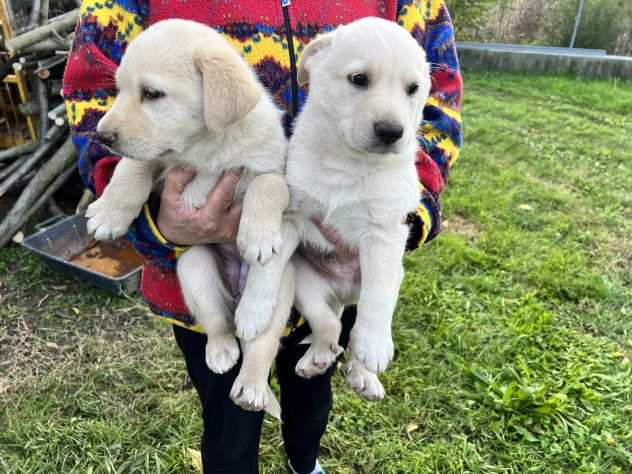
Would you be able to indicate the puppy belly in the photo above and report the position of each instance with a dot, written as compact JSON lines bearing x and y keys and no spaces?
{"x":343,"y":271}
{"x":233,"y":270}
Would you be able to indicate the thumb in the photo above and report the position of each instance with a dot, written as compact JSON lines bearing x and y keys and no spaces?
{"x":176,"y":180}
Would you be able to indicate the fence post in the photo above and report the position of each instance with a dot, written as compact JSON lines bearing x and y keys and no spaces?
{"x":578,"y":20}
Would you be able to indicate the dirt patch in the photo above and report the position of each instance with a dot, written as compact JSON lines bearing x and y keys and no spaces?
{"x":459,"y":225}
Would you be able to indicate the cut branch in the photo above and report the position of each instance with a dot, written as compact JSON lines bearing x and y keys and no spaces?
{"x":42,"y":100}
{"x":12,"y":167}
{"x":61,"y":23}
{"x":58,"y":111}
{"x":29,"y":163}
{"x":47,"y":180}
{"x":17,"y":151}
{"x":19,"y":220}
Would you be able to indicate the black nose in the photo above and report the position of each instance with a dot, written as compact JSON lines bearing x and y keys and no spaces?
{"x":388,"y":133}
{"x":107,"y":138}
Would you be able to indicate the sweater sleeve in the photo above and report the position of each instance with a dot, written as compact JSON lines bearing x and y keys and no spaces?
{"x":439,"y":133}
{"x":102,"y":34}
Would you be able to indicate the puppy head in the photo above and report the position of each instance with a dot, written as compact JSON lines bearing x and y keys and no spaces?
{"x":178,"y":81}
{"x":371,"y":79}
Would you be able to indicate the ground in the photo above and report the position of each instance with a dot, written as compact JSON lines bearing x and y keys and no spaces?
{"x":513,"y":330}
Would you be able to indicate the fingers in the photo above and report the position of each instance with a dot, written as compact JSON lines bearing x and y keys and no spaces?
{"x":233,"y":216}
{"x":223,"y":194}
{"x":177,"y":179}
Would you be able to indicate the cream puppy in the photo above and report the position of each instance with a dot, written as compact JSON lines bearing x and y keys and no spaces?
{"x":351,"y":167}
{"x":186,"y":97}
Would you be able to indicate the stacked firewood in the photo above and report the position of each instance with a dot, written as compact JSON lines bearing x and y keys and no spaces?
{"x":35,"y":171}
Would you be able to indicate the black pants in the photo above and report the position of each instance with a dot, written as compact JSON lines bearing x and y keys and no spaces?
{"x":230,"y":442}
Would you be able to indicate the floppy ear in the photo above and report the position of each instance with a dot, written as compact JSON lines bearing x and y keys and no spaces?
{"x":229,"y":87}
{"x":318,"y":44}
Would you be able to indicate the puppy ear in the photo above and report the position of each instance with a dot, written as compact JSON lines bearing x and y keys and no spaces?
{"x":320,"y":43}
{"x":229,"y":87}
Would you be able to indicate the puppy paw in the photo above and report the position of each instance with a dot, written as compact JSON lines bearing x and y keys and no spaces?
{"x":251,"y":395}
{"x":192,"y":198}
{"x":363,"y":382}
{"x":258,"y":244}
{"x":373,"y":348}
{"x":106,"y":221}
{"x":222,"y":353}
{"x":318,"y":358}
{"x":253,"y":315}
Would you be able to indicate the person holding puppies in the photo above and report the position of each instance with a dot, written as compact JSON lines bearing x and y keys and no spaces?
{"x":259,"y":30}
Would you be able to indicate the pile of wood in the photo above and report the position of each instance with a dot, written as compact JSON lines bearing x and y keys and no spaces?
{"x":35,"y":169}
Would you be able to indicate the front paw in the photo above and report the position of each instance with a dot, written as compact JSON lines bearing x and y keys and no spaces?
{"x":258,"y":243}
{"x":106,"y":221}
{"x":222,"y":353}
{"x":318,"y":358}
{"x":372,"y":347}
{"x":254,"y":315}
{"x":363,"y":382}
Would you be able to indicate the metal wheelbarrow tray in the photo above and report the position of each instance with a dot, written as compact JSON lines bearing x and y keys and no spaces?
{"x":67,"y":238}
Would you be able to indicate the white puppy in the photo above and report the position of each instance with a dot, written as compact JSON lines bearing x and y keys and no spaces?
{"x":186,"y":97}
{"x":351,"y":167}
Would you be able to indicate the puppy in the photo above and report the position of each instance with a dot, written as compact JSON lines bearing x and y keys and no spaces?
{"x":351,"y":169}
{"x":186,"y":97}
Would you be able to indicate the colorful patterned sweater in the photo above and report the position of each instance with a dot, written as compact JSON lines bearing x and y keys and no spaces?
{"x":255,"y":29}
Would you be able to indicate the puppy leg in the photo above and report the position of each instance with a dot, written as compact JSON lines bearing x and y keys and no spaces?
{"x":313,"y":293}
{"x":250,"y":389}
{"x":196,"y":193}
{"x":382,"y":273}
{"x":110,"y":216}
{"x":259,"y":236}
{"x":363,"y":382}
{"x":259,"y":298}
{"x":206,"y":298}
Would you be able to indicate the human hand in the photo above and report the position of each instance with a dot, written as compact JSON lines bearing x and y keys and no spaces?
{"x":216,"y":222}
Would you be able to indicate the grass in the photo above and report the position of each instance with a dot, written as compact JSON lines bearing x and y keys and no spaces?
{"x":513,"y":331}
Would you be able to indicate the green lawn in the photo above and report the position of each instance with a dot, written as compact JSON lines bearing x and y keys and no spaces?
{"x":513,"y":332}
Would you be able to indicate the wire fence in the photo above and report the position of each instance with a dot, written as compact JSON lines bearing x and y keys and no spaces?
{"x":593,"y":24}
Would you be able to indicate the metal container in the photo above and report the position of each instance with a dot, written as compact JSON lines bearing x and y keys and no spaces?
{"x":67,"y":237}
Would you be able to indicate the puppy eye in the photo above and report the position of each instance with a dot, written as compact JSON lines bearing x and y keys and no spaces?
{"x":412,"y":88}
{"x":151,"y":94}
{"x":359,"y":80}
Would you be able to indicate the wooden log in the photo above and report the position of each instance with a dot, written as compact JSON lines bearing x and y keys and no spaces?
{"x":30,"y":162}
{"x":36,"y":9}
{"x":52,"y":132}
{"x":86,"y":199}
{"x":17,"y":67}
{"x":57,"y":111}
{"x":12,"y":167}
{"x":46,"y":47}
{"x":16,"y":151}
{"x":45,"y":7}
{"x":42,"y":99}
{"x":62,"y":23}
{"x":48,"y":179}
{"x":43,"y":73}
{"x":44,"y":66}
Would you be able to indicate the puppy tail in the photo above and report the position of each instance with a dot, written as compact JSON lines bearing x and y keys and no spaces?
{"x":273,"y":407}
